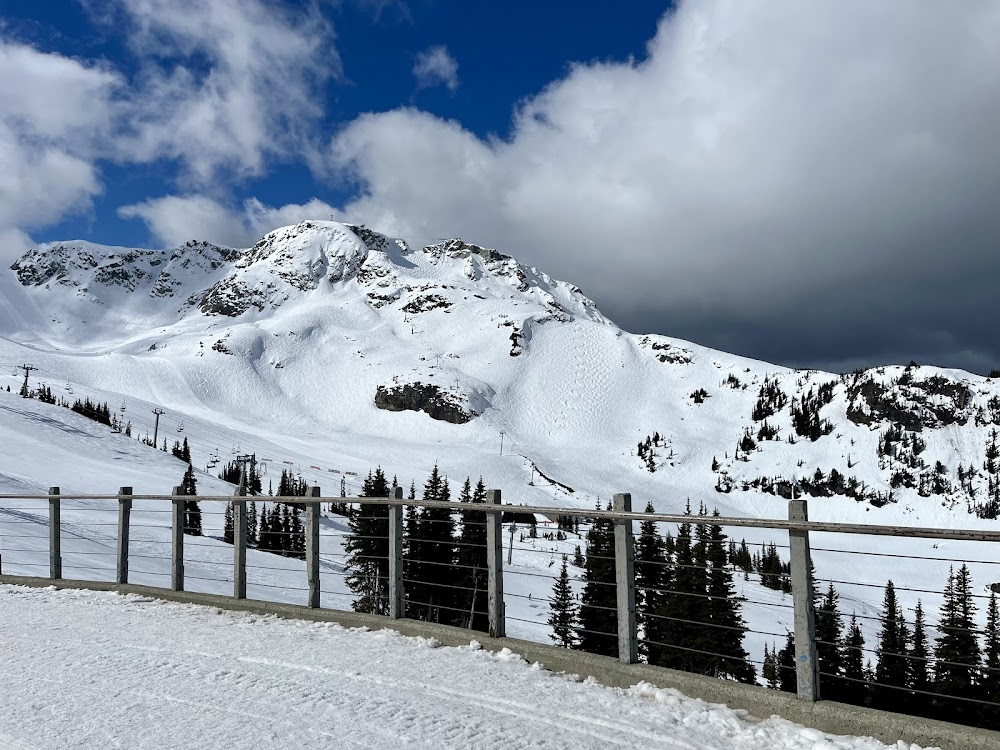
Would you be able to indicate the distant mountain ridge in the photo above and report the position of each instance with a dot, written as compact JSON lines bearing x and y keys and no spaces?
{"x":372,"y":341}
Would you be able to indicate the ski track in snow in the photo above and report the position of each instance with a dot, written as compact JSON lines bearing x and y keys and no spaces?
{"x":96,"y":669}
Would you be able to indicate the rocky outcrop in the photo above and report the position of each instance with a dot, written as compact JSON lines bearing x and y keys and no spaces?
{"x":426,"y":397}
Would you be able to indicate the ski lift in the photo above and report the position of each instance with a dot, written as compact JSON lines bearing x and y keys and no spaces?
{"x":15,"y":373}
{"x":123,"y":406}
{"x":180,"y":426}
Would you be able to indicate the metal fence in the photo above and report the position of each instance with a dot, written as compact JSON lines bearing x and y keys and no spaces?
{"x":631,"y":635}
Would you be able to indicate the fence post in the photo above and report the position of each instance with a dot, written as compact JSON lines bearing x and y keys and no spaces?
{"x":55,"y":536}
{"x":124,"y":511}
{"x":240,"y":544}
{"x":625,"y":581}
{"x":806,"y":670}
{"x":178,"y":516}
{"x":494,"y":563}
{"x":312,"y":548}
{"x":396,"y":591}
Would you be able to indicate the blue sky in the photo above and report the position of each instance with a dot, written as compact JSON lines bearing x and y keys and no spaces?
{"x":807,"y":183}
{"x":504,"y":51}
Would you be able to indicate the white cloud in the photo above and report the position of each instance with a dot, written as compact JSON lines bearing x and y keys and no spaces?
{"x":223,"y":89}
{"x":225,"y":85}
{"x":54,"y":119}
{"x":174,"y":219}
{"x":435,"y":66}
{"x":762,"y":158}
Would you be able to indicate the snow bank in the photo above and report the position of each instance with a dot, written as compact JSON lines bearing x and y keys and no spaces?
{"x":90,"y":669}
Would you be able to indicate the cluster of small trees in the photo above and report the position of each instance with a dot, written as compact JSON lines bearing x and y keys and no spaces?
{"x":277,"y":529}
{"x":806,"y":417}
{"x":646,"y":450}
{"x":770,"y":400}
{"x":909,"y":675}
{"x":92,"y":410}
{"x":688,"y":614}
{"x":444,"y":552}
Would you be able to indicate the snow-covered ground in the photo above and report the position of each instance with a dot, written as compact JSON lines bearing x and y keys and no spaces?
{"x":87,"y":669}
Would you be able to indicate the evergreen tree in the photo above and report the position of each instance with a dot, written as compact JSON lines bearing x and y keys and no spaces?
{"x":227,"y":531}
{"x":598,"y":604}
{"x":919,"y":666}
{"x":990,"y":684}
{"x":891,"y":665}
{"x":685,"y":609}
{"x":473,"y":571}
{"x":563,"y":610}
{"x":652,"y":577}
{"x":252,"y":524}
{"x":367,"y":550}
{"x":956,"y":651}
{"x":787,"y":679}
{"x":297,"y":535}
{"x":192,"y":511}
{"x":829,"y":632}
{"x":769,"y":670}
{"x":853,"y":664}
{"x":265,"y":539}
{"x":430,"y":592}
{"x":723,"y":610}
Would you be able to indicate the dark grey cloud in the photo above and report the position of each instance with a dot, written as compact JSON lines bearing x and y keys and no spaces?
{"x":809,"y":183}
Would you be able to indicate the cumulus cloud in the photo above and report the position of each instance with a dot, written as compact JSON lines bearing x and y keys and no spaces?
{"x":770,"y":175}
{"x":225,"y":85}
{"x":174,"y":219}
{"x":54,"y":120}
{"x":436,"y":67}
{"x":222,"y":90}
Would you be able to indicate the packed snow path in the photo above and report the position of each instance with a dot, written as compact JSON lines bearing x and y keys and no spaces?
{"x":91,"y":669}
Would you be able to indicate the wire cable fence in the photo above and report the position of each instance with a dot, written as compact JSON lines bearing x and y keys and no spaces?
{"x":679,"y":591}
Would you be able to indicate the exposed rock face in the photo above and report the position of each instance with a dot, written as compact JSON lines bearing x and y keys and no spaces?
{"x":910,"y":403}
{"x":425,"y":397}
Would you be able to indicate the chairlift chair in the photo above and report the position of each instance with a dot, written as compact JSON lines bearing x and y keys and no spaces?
{"x":123,"y":406}
{"x":180,"y":426}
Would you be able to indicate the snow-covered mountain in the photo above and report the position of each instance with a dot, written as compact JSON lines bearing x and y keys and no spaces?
{"x":341,"y":348}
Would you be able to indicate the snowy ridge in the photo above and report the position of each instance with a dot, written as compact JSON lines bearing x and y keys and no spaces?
{"x":362,"y":339}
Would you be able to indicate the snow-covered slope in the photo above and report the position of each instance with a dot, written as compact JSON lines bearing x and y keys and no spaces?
{"x":346,"y":348}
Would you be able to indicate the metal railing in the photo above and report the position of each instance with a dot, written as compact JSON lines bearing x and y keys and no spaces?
{"x":631,"y":635}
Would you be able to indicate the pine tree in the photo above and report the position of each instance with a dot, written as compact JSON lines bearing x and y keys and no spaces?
{"x":891,"y":665}
{"x":227,"y":532}
{"x":265,"y":539}
{"x":473,"y":571}
{"x":652,"y":577}
{"x":686,"y":607}
{"x":563,"y":610}
{"x":853,"y":664}
{"x":769,"y":669}
{"x":192,"y":511}
{"x":367,"y":550}
{"x":956,"y":651}
{"x":598,"y":603}
{"x":723,"y":610}
{"x":829,"y":632}
{"x":430,"y":593}
{"x":787,"y":679}
{"x":252,"y":524}
{"x":919,"y":677}
{"x":990,"y":683}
